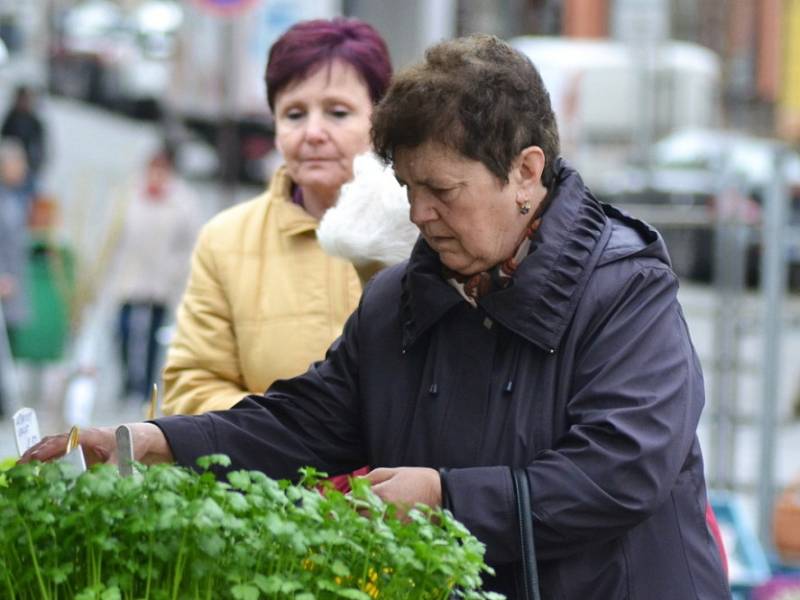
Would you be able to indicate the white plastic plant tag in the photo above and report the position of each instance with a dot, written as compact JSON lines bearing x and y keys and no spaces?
{"x":124,"y":450}
{"x":74,"y":456}
{"x":76,"y":459}
{"x":26,"y":429}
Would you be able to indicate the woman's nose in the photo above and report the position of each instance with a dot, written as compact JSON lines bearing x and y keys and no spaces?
{"x":420,"y":209}
{"x":316,"y":131}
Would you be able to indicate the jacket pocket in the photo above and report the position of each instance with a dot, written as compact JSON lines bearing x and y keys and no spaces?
{"x":600,"y":571}
{"x":702,"y":560}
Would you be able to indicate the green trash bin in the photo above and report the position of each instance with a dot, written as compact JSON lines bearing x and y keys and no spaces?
{"x":50,"y":287}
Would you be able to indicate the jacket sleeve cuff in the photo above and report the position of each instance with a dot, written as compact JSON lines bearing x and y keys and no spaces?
{"x":187,"y":437}
{"x":482,"y":499}
{"x":445,"y":491}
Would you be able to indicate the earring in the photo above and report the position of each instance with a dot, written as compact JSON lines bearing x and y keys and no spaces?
{"x":525,"y":207}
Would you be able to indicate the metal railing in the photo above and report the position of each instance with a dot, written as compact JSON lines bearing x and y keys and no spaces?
{"x":735,"y":235}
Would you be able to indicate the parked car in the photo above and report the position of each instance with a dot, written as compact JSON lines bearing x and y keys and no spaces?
{"x":104,"y":54}
{"x":693,"y":175}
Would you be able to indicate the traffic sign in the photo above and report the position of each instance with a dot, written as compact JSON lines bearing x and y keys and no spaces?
{"x":226,"y":7}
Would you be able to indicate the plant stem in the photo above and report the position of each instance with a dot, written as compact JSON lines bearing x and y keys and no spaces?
{"x":7,"y":579}
{"x":149,"y":570}
{"x":39,"y":579}
{"x":179,"y":562}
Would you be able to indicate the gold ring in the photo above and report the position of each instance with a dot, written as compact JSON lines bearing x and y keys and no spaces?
{"x":72,"y":440}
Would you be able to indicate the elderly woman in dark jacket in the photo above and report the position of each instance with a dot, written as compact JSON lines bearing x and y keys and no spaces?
{"x":532,"y":327}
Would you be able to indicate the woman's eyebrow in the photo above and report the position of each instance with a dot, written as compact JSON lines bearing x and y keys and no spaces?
{"x":437,"y":183}
{"x":336,"y":97}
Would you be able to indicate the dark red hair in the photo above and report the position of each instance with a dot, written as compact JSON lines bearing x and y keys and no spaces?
{"x":310,"y":45}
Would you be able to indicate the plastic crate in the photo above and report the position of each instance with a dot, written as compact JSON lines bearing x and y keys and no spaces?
{"x":779,"y":587}
{"x":748,"y":566}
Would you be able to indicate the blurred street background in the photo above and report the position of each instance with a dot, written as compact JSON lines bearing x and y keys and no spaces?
{"x":685,"y":113}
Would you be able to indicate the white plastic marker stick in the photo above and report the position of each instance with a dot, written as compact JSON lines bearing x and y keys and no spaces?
{"x":26,"y":429}
{"x":124,"y":450}
{"x":74,"y":455}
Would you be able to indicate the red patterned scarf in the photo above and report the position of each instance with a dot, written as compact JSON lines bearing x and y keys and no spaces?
{"x":473,"y":287}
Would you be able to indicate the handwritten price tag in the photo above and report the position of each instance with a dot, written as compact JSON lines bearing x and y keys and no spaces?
{"x":26,"y":429}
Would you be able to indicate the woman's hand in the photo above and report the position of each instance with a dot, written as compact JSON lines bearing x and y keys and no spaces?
{"x":407,"y":486}
{"x":100,"y":445}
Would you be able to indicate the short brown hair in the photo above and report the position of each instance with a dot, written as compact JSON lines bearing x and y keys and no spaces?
{"x":476,"y":95}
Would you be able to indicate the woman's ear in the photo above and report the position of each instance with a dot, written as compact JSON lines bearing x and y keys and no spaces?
{"x":528,"y":174}
{"x":531,"y":163}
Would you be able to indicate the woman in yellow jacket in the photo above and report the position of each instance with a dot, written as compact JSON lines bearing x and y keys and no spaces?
{"x":263,"y":300}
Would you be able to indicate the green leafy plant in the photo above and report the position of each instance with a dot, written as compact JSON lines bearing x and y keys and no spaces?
{"x":169,"y":533}
{"x":5,"y":465}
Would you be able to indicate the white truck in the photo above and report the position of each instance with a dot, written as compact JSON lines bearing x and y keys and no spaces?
{"x":605,"y":96}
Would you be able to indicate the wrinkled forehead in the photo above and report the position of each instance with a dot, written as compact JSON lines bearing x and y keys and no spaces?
{"x":430,"y":161}
{"x":422,"y":157}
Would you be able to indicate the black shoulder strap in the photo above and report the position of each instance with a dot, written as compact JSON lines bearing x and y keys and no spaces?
{"x":530,"y":579}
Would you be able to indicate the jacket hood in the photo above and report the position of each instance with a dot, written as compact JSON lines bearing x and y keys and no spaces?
{"x":578,"y":234}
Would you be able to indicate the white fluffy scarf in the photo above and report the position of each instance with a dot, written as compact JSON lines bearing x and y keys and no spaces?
{"x":369,"y":223}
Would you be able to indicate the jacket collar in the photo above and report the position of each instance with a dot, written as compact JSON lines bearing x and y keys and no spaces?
{"x":426,"y":296}
{"x":541,"y":300}
{"x":291,"y":218}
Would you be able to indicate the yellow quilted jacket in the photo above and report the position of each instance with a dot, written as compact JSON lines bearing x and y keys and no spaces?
{"x":263,"y":302}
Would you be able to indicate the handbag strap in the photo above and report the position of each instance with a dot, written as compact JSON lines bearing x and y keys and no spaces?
{"x":530,"y":579}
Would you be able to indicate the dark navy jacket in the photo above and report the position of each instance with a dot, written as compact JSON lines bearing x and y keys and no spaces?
{"x":582,"y":371}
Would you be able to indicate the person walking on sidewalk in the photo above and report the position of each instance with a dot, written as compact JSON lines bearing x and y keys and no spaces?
{"x":23,"y":123}
{"x":155,"y":236}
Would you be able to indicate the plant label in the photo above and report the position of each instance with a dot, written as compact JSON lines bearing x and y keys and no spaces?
{"x":124,"y":450}
{"x":76,"y":459}
{"x":26,"y":429}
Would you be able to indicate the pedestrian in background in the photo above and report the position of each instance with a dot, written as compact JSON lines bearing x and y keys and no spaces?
{"x":13,"y":248}
{"x":154,"y":231}
{"x":40,"y":343}
{"x":263,"y":300}
{"x":23,"y":123}
{"x":14,"y":175}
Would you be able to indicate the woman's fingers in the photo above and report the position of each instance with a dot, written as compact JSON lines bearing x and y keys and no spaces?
{"x":99,"y":446}
{"x":406,"y":486}
{"x":377,"y":476}
{"x":50,"y":447}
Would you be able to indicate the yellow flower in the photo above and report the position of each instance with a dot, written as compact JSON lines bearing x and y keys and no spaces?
{"x":371,"y":590}
{"x":369,"y":587}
